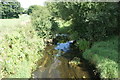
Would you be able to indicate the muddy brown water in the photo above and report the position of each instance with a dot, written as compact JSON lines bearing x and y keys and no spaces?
{"x":59,"y":67}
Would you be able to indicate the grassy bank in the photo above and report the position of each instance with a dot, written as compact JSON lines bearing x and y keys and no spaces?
{"x":104,"y":55}
{"x":19,"y":50}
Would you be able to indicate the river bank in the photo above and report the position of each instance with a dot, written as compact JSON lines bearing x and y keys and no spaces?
{"x":51,"y":66}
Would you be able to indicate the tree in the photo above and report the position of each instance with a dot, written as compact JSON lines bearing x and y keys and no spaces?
{"x":92,"y":21}
{"x":10,"y":9}
{"x":32,"y":8}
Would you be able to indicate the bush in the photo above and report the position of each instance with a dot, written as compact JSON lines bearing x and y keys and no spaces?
{"x":104,"y":55}
{"x":19,"y":52}
{"x":41,"y":21}
{"x":83,"y":44}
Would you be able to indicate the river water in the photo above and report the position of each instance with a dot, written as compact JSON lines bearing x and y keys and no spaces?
{"x":51,"y":66}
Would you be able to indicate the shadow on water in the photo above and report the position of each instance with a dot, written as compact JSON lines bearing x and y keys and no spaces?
{"x":58,"y":67}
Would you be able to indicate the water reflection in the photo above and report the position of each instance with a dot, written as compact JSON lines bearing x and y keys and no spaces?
{"x":59,"y":67}
{"x":64,"y":47}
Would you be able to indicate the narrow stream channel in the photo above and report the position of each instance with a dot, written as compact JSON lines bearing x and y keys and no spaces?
{"x":58,"y":67}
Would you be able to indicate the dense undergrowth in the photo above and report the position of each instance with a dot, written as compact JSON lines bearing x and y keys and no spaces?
{"x":104,"y":55}
{"x":19,"y":51}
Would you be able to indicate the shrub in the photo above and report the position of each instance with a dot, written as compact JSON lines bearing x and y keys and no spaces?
{"x":41,"y":21}
{"x":104,"y":55}
{"x":19,"y":52}
{"x":83,"y":44}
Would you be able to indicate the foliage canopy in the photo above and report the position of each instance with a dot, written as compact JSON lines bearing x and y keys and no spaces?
{"x":10,"y":9}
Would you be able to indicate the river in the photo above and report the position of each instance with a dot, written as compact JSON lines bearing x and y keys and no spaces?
{"x":51,"y":66}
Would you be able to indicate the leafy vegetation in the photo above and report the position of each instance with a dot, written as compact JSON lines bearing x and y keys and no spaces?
{"x":19,"y":51}
{"x":10,"y":9}
{"x":83,"y":44}
{"x":41,"y":21}
{"x":91,"y":24}
{"x":88,"y":23}
{"x":32,"y":9}
{"x":91,"y":21}
{"x":104,"y":55}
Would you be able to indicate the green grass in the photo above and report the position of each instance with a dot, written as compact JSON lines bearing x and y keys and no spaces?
{"x":13,"y":22}
{"x":9,"y":25}
{"x":19,"y":49}
{"x":104,"y":55}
